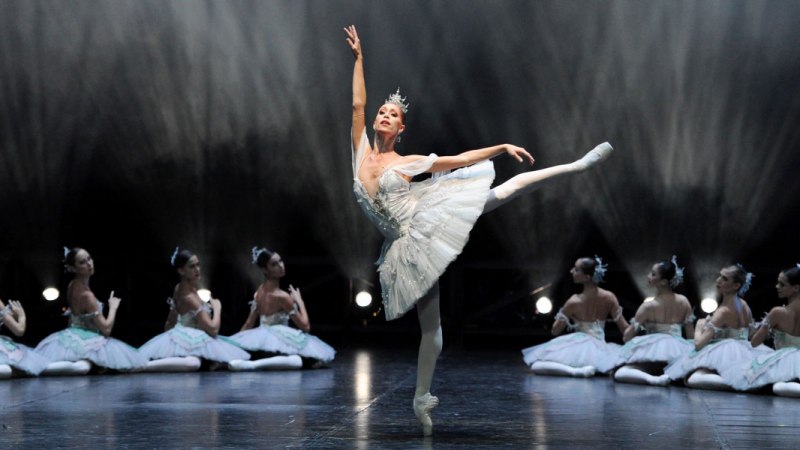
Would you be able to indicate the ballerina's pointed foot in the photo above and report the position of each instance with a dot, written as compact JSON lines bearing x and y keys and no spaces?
{"x":423,"y":405}
{"x":594,"y":156}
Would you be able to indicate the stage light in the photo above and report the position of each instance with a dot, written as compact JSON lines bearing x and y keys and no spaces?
{"x":708,"y":305}
{"x":50,"y":294}
{"x":648,"y":299}
{"x":544,"y":305}
{"x":205,"y":294}
{"x":363,"y":299}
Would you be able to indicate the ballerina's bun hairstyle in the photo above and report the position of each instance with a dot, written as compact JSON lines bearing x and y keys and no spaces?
{"x":261,"y":256}
{"x":793,"y":275}
{"x":180,"y":257}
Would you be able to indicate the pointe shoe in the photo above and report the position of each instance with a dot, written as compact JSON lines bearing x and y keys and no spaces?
{"x":661,"y":380}
{"x":423,"y":405}
{"x":594,"y":156}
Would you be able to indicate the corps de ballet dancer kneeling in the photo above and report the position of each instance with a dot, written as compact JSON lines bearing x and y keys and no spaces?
{"x":16,"y":357}
{"x":192,"y":326}
{"x":272,"y":307}
{"x":781,"y":368}
{"x":722,"y":339}
{"x":585,"y":351}
{"x":662,"y":319}
{"x":427,"y":223}
{"x":86,"y":341}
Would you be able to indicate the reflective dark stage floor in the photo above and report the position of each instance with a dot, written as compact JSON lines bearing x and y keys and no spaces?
{"x":488,"y":400}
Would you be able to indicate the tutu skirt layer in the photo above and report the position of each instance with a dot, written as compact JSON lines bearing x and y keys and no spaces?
{"x":445,"y":212}
{"x":285,"y":340}
{"x":575,"y":350}
{"x":73,"y":344}
{"x":187,"y":341}
{"x":21,"y":357}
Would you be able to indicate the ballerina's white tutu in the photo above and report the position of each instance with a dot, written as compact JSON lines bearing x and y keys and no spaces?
{"x":426,"y":224}
{"x":769,"y":368}
{"x":273,"y":335}
{"x":82,"y":340}
{"x":584,"y":347}
{"x":662,"y":343}
{"x":184,"y":339}
{"x":19,"y":356}
{"x":730,"y":346}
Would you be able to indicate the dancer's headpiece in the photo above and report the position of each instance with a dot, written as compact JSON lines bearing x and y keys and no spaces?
{"x":396,"y":99}
{"x":174,"y":255}
{"x":256,"y":252}
{"x":678,"y":278}
{"x":748,"y":280}
{"x":599,"y":270}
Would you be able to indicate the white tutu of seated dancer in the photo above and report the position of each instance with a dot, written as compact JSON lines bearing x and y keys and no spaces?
{"x":582,"y":353}
{"x":722,"y":339}
{"x":14,"y":356}
{"x":702,"y":369}
{"x":70,"y":349}
{"x":182,"y":347}
{"x":274,"y":335}
{"x":638,"y":357}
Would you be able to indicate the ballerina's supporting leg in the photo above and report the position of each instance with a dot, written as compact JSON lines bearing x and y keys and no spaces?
{"x":786,"y":388}
{"x":81,"y":367}
{"x":281,"y":362}
{"x":632,"y":374}
{"x":5,"y":371}
{"x":174,"y":364}
{"x":430,"y":346}
{"x":535,"y":179}
{"x":562,"y":370}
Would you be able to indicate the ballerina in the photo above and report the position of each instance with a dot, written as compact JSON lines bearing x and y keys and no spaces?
{"x":722,"y":339}
{"x":14,"y":356}
{"x":192,"y":326}
{"x":585,"y":351}
{"x":426,"y":224}
{"x":781,"y":368}
{"x":86,"y":341}
{"x":273,"y":307}
{"x":644,"y":357}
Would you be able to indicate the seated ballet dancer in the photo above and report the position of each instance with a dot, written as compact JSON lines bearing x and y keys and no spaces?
{"x":14,"y":357}
{"x":86,"y":341}
{"x":427,"y":223}
{"x":781,"y":368}
{"x":643,"y":358}
{"x":722,"y":339}
{"x":283,"y":347}
{"x":585,"y":351}
{"x":191,"y":327}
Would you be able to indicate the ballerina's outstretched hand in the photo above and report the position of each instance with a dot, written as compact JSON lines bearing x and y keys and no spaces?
{"x":353,"y":41}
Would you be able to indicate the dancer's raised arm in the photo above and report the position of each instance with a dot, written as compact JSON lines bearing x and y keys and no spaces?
{"x":473,"y":156}
{"x":359,"y":86}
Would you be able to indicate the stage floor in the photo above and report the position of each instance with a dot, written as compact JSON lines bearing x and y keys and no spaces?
{"x":488,"y":400}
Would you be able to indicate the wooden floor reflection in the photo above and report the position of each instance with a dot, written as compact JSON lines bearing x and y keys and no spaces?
{"x":488,"y":400}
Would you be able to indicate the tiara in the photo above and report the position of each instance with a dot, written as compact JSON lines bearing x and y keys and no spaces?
{"x":599,"y":270}
{"x":174,"y":255}
{"x":678,"y":278}
{"x":396,"y":99}
{"x":256,"y":252}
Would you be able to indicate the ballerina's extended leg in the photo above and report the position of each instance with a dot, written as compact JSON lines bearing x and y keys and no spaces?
{"x":81,"y":367}
{"x":174,"y":364}
{"x":280,"y":362}
{"x":430,"y":346}
{"x":562,"y":370}
{"x":530,"y":181}
{"x":632,"y":374}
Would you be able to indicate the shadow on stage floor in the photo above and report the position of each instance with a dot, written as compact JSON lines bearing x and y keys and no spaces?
{"x":488,"y":400}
